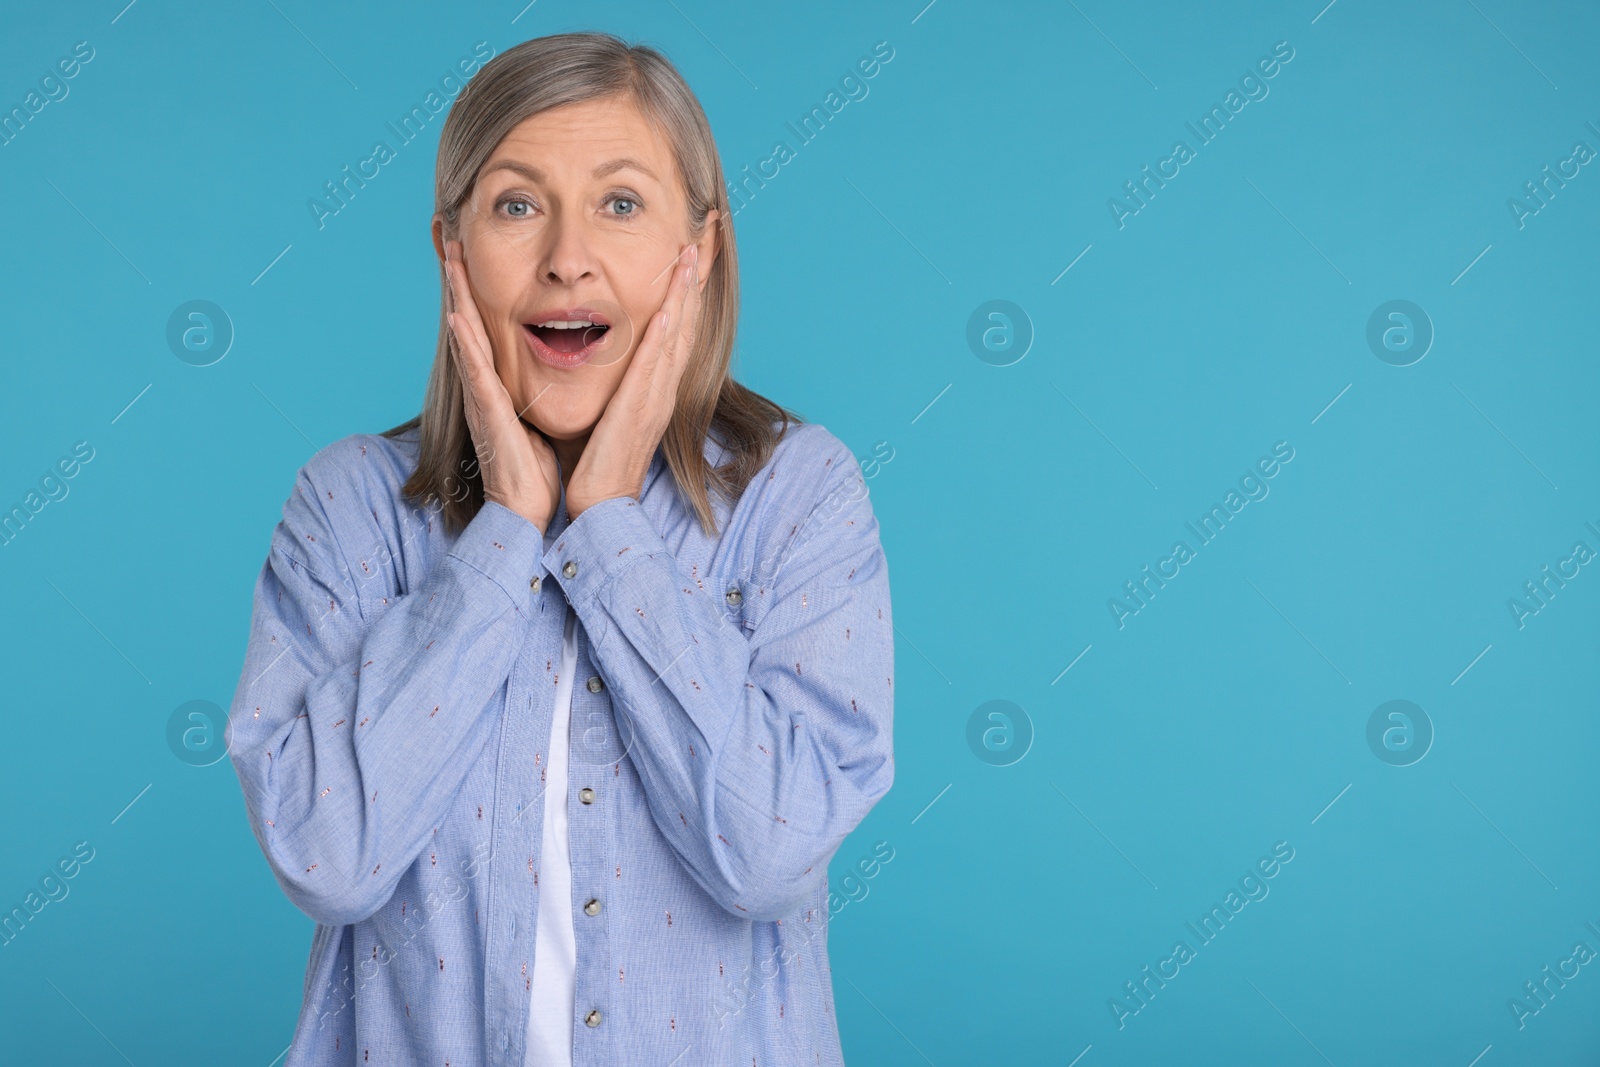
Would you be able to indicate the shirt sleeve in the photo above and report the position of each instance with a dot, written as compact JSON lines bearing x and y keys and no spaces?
{"x":759,"y":753}
{"x":355,"y":719}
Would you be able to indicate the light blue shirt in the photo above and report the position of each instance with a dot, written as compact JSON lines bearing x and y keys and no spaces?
{"x":731,"y":723}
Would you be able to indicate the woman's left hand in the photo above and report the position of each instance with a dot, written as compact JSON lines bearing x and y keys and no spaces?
{"x":623,"y":443}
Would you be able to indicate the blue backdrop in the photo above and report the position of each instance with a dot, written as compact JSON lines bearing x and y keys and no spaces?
{"x":1225,"y":378}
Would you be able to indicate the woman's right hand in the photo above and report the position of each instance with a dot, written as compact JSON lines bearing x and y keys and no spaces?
{"x":519,"y":468}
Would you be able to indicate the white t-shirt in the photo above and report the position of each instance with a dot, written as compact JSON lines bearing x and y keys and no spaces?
{"x":555,"y":956}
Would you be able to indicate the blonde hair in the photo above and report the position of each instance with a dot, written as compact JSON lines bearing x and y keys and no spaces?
{"x":569,"y":68}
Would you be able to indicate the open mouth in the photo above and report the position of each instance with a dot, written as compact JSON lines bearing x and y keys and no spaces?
{"x":567,"y":342}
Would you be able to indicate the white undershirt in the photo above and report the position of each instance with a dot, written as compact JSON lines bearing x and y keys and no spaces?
{"x":555,"y":958}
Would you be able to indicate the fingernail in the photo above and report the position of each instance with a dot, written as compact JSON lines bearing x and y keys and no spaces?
{"x":694,"y":254}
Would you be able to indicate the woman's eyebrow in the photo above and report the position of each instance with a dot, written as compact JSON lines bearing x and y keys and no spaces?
{"x":615,"y":165}
{"x":534,"y":174}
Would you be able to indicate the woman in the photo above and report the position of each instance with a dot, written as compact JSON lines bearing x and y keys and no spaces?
{"x":560,"y":697}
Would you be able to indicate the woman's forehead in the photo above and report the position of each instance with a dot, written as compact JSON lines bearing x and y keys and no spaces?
{"x":590,"y":130}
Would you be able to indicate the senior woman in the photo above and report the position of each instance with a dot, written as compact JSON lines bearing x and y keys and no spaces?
{"x":560,"y":697}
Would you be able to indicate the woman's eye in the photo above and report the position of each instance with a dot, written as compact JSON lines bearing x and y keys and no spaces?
{"x":631,"y":205}
{"x":509,"y":204}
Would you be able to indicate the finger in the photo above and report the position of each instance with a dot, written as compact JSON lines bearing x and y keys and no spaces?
{"x":465,"y":306}
{"x":679,"y":335}
{"x":648,"y":356}
{"x":689,"y":318}
{"x":466,"y":370}
{"x":677,"y":291}
{"x":475,"y":355}
{"x":485,"y":394}
{"x":662,"y":333}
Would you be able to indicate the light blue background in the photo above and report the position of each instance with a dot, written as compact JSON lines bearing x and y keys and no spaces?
{"x":1221,"y":319}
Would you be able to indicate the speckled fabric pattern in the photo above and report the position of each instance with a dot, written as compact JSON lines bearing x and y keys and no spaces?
{"x":731,"y":723}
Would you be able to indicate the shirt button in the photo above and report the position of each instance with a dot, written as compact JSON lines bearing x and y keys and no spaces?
{"x":593,"y":1018}
{"x":533,"y":583}
{"x":592,"y":908}
{"x":571,"y":571}
{"x":586,"y":795}
{"x":734,"y":597}
{"x":595,"y":684}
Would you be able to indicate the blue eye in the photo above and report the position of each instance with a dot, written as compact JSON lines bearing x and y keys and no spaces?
{"x":633,"y":206}
{"x":509,"y":204}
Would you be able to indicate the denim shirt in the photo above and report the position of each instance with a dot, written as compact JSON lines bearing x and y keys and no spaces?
{"x":731,"y":723}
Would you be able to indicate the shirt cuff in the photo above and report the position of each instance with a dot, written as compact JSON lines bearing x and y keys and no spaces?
{"x":607,"y":539}
{"x":505,"y":548}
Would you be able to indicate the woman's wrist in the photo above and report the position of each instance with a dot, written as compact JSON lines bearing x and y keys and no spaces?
{"x":532,"y":513}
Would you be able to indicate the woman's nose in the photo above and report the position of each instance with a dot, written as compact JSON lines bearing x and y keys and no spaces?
{"x":568,"y":256}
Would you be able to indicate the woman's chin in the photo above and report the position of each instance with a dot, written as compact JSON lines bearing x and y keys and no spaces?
{"x":564,"y":425}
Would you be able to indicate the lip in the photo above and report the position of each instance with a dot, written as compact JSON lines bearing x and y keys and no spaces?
{"x":562,"y":360}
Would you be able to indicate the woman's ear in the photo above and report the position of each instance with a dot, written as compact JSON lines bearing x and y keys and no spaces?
{"x":710,"y":244}
{"x":438,"y":237}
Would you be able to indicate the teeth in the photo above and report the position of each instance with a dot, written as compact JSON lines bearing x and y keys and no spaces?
{"x":564,"y":324}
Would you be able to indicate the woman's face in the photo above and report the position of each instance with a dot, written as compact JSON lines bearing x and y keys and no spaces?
{"x":577,"y":217}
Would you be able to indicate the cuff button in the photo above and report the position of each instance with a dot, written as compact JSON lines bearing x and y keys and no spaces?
{"x":570,"y":570}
